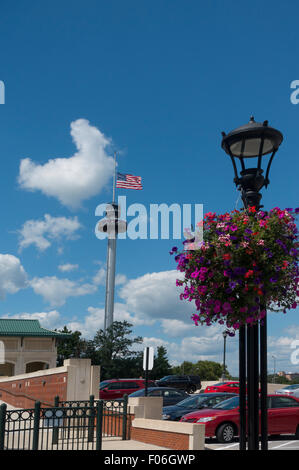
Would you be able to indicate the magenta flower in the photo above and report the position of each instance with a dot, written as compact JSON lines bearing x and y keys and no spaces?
{"x":229,"y":273}
{"x":226,"y":306}
{"x":195,"y":274}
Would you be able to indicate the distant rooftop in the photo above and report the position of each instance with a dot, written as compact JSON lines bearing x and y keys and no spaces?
{"x":20,"y":327}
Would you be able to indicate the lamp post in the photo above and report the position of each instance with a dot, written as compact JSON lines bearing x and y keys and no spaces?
{"x":224,"y":348}
{"x":274,"y":368}
{"x":253,"y":140}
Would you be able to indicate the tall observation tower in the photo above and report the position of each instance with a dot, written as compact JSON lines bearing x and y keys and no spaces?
{"x":112,"y":225}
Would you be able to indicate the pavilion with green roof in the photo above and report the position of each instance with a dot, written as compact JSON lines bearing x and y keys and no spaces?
{"x":25,"y":346}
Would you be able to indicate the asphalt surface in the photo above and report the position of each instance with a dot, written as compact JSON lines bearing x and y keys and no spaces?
{"x":274,"y":443}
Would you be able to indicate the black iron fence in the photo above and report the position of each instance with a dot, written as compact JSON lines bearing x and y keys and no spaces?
{"x":71,"y":425}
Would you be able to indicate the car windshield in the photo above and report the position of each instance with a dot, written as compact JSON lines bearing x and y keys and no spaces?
{"x":220,"y":383}
{"x":103,"y":384}
{"x":138,"y":393}
{"x":291,"y":387}
{"x":193,"y":402}
{"x":166,"y":378}
{"x":229,"y":404}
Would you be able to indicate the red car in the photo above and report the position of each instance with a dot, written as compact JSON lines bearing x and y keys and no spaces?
{"x":230,"y":387}
{"x":117,"y":388}
{"x":223,"y":419}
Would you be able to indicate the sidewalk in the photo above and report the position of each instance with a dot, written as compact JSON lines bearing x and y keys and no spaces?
{"x":115,"y":443}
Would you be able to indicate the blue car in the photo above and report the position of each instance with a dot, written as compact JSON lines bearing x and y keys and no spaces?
{"x":170,"y":395}
{"x":194,"y":403}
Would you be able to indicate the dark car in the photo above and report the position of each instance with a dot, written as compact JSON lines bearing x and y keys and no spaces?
{"x":171,"y":396}
{"x":189,"y":383}
{"x":194,"y":403}
{"x":117,"y":388}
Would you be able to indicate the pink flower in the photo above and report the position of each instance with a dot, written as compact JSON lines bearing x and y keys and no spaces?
{"x":243,"y":309}
{"x":195,"y":274}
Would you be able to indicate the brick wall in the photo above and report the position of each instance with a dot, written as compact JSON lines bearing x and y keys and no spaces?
{"x":113,"y":425}
{"x":22,"y":393}
{"x":171,"y":440}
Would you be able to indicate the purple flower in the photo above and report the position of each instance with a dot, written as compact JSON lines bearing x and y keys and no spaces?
{"x":239,"y":271}
{"x":226,"y":306}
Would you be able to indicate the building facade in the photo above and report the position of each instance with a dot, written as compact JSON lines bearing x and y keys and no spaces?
{"x":26,"y":346}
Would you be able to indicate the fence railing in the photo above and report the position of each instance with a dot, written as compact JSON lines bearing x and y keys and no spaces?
{"x":71,"y":425}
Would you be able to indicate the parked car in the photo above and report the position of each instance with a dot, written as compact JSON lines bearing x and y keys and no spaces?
{"x":229,"y":387}
{"x":223,"y":419}
{"x":117,"y":388}
{"x":171,"y":396}
{"x":192,"y":403}
{"x":189,"y":383}
{"x":289,"y":390}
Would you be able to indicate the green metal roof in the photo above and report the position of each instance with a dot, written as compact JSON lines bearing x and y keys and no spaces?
{"x":20,"y":327}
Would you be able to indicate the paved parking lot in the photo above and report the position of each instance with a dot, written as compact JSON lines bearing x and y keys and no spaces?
{"x":274,"y":443}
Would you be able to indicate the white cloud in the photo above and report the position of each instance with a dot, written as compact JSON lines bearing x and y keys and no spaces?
{"x":12,"y":275}
{"x":100,"y":277}
{"x":155,"y":295}
{"x":77,"y":178}
{"x":120,"y":279}
{"x":56,"y":291}
{"x":94,"y":320}
{"x":42,"y":232}
{"x":175,"y":328}
{"x":68,"y":267}
{"x":197,"y":348}
{"x":49,"y":320}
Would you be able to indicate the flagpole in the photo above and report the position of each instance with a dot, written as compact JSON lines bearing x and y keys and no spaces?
{"x":114,"y":178}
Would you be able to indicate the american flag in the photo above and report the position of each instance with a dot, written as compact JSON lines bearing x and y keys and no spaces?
{"x":128,"y":181}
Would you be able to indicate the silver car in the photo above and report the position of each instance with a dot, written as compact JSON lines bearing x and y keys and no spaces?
{"x":289,"y":390}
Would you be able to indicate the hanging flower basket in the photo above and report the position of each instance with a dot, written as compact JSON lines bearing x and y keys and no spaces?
{"x":247,"y":263}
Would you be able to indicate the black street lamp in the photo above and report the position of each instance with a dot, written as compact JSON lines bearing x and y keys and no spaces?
{"x":253,"y":140}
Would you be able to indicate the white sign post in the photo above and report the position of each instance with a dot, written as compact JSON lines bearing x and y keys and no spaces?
{"x":148,"y":364}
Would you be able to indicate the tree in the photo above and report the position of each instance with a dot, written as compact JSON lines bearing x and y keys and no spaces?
{"x":161,"y":364}
{"x":207,"y":370}
{"x":73,"y":346}
{"x":112,"y":350}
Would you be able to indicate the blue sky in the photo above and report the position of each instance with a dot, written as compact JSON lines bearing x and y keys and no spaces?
{"x":159,"y":80}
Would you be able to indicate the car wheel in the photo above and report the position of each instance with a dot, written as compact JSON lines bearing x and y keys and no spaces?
{"x":225,"y":433}
{"x":191,"y":389}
